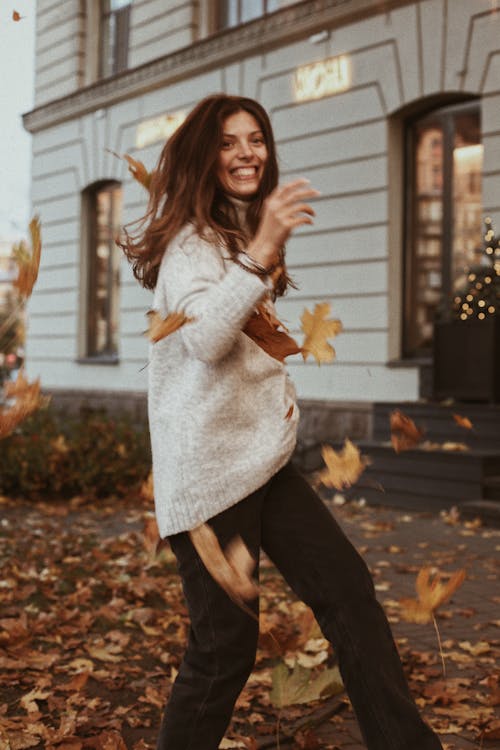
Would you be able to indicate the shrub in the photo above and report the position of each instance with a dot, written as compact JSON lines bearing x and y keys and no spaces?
{"x":94,"y":455}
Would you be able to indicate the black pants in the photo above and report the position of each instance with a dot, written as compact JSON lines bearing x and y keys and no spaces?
{"x":290,"y":522}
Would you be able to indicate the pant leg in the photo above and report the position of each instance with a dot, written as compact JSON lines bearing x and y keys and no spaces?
{"x":222,"y":639}
{"x":319,"y":563}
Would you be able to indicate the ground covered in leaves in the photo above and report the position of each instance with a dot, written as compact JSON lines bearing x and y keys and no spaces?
{"x":93,"y":626}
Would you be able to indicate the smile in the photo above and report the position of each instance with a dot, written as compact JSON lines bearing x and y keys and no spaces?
{"x":244,"y":172}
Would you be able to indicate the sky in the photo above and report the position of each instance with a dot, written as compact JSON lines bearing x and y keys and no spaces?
{"x":17,"y":43}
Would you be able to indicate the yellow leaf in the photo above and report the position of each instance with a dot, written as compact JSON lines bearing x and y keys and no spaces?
{"x":318,"y":329}
{"x":28,"y":262}
{"x":27,"y":400}
{"x":431,"y":593}
{"x":139,"y":171}
{"x":343,"y":468}
{"x":159,"y":328}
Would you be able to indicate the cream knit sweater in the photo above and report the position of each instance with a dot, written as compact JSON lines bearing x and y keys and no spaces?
{"x":217,"y":402}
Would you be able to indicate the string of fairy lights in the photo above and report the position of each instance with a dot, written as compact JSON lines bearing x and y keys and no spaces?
{"x":480,"y":299}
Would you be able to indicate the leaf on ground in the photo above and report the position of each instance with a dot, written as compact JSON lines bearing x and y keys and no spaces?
{"x":404,"y":432}
{"x":270,"y":334}
{"x":318,"y":328}
{"x":344,"y":468}
{"x":232,"y":570}
{"x":159,"y":328}
{"x":28,"y":262}
{"x":300,"y":686}
{"x":463,"y":421}
{"x":431,"y":593}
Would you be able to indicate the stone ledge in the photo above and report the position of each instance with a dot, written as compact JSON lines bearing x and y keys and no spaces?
{"x":256,"y":37}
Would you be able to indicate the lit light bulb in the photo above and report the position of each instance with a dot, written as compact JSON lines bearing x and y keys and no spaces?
{"x":489,"y":250}
{"x":487,"y":220}
{"x":469,"y":298}
{"x":472,"y":276}
{"x":479,"y":286}
{"x":487,"y":280}
{"x":463,"y":316}
{"x":481,"y":316}
{"x":469,"y":311}
{"x":481,"y":303}
{"x":491,"y":309}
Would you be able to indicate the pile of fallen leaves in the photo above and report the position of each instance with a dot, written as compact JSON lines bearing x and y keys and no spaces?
{"x":93,"y":626}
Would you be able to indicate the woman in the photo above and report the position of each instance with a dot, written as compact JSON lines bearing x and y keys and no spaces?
{"x":223,"y":421}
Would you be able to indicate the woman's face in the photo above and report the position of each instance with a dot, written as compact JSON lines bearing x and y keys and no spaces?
{"x":242,"y":155}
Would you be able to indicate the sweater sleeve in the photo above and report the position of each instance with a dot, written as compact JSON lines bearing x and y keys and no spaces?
{"x":194,"y":282}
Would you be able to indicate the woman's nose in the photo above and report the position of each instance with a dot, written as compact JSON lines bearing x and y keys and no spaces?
{"x":244,"y":150}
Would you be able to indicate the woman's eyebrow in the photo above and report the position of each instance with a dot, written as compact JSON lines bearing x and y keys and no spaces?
{"x":233,"y":135}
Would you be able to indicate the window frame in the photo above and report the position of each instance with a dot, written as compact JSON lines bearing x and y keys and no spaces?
{"x":88,"y":338}
{"x":120,"y":38}
{"x":444,"y":113}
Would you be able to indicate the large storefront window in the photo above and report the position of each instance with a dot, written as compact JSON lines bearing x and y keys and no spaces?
{"x":104,"y":204}
{"x":114,"y":36}
{"x":234,"y":12}
{"x":444,"y":214}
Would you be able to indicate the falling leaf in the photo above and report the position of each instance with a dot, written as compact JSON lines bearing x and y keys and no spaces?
{"x":28,"y":400}
{"x":404,"y":432}
{"x":136,"y":169}
{"x":16,"y":16}
{"x":300,"y":686}
{"x":232,"y":570}
{"x":28,"y":262}
{"x":289,"y":413}
{"x":270,"y":334}
{"x":463,"y":421}
{"x":431,"y":593}
{"x":159,"y":328}
{"x":318,"y":329}
{"x":344,"y":468}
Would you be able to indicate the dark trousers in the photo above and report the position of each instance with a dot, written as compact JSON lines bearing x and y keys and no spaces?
{"x":291,"y":524}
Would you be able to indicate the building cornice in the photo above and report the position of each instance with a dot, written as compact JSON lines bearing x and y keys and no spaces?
{"x":256,"y":37}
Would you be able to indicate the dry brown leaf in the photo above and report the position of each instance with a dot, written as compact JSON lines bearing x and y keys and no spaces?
{"x":463,"y":421}
{"x":318,"y":328}
{"x":138,"y":171}
{"x":16,"y":16}
{"x":28,"y":262}
{"x":344,"y":468}
{"x":232,"y":570}
{"x":28,"y":400}
{"x":289,"y":413}
{"x":404,"y":432}
{"x":431,"y":593}
{"x":147,"y":491}
{"x":159,"y":328}
{"x":270,"y":334}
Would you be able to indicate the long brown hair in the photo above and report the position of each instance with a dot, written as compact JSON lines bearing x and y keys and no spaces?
{"x":184,"y":188}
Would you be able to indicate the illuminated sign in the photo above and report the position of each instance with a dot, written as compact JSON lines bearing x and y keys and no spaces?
{"x":158,"y":129}
{"x":322,"y":78}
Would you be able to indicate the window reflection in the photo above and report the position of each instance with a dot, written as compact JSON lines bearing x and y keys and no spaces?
{"x":444,"y":215}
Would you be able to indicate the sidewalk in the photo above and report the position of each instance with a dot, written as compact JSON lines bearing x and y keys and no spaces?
{"x":95,"y":626}
{"x":396,"y":544}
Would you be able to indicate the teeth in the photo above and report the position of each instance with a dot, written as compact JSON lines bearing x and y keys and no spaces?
{"x":245,"y":171}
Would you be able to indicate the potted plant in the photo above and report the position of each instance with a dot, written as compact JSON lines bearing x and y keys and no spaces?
{"x":467,"y":336}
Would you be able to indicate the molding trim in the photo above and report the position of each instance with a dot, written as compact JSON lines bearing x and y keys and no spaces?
{"x":256,"y":37}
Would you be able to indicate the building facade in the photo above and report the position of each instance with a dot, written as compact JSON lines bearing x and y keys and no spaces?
{"x":390,"y":107}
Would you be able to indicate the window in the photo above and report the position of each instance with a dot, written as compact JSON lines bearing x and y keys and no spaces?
{"x":114,"y":36}
{"x":234,"y":12}
{"x":443,"y":216}
{"x":103,"y":216}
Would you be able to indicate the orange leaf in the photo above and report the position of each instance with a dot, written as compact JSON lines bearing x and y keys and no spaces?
{"x":138,"y":171}
{"x":289,"y":413}
{"x":264,"y":328}
{"x":27,"y":400}
{"x":159,"y":327}
{"x":231,"y":570}
{"x":344,"y":468}
{"x":431,"y":593}
{"x":404,"y":432}
{"x":28,"y":262}
{"x":16,"y":16}
{"x":463,"y":421}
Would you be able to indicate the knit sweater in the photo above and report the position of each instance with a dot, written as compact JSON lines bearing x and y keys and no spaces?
{"x":217,"y":402}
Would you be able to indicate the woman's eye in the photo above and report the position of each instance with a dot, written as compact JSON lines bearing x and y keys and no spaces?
{"x":226,"y":144}
{"x":258,"y":141}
